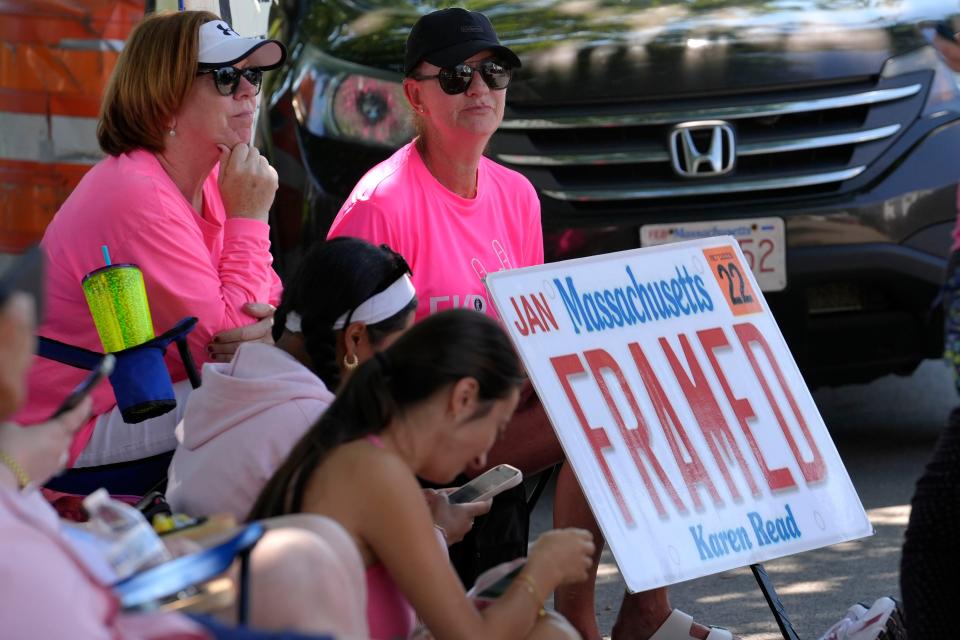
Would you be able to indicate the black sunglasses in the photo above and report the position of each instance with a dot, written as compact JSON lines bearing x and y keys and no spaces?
{"x":457,"y":79}
{"x":227,"y":79}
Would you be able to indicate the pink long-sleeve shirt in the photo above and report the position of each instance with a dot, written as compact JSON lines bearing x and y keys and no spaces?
{"x":206,"y":266}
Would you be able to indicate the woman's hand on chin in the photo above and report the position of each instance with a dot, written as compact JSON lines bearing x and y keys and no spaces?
{"x":247,"y":182}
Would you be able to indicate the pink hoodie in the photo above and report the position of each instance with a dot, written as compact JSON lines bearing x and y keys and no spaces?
{"x":239,"y":426}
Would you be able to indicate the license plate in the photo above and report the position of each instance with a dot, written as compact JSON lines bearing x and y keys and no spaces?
{"x":762,"y":240}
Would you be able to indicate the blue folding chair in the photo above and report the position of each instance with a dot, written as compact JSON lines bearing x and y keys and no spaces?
{"x":143,"y":390}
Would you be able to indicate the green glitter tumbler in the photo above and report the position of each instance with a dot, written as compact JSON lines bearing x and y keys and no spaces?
{"x":118,"y":303}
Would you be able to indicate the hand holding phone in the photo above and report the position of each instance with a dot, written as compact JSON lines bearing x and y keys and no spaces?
{"x":944,"y":30}
{"x":41,"y":449}
{"x":943,"y":38}
{"x":488,"y":484}
{"x":498,"y":588}
{"x":494,"y":582}
{"x":103,"y":369}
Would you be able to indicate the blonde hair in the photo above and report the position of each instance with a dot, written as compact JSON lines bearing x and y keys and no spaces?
{"x":155,"y":71}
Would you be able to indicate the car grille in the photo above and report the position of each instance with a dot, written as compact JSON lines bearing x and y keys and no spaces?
{"x":804,"y":141}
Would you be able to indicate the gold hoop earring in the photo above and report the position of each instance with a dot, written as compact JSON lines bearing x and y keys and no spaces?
{"x":351,"y":364}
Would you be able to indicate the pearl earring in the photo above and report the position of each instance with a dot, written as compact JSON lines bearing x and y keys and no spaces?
{"x":172,"y":132}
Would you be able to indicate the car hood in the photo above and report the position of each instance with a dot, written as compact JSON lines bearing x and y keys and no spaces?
{"x":611,"y":50}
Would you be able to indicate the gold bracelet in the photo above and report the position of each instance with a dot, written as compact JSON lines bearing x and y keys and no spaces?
{"x":530,"y":585}
{"x":22,"y":478}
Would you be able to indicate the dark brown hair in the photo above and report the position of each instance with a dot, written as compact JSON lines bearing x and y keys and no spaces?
{"x":439,"y":351}
{"x":335,"y":277}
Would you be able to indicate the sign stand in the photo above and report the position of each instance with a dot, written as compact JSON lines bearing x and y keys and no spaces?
{"x":774,"y":602}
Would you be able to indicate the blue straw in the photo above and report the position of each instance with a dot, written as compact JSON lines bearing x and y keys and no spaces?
{"x":106,"y":255}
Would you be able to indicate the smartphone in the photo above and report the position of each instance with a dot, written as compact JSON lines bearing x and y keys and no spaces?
{"x":103,"y":369}
{"x":486,"y":485}
{"x":944,"y":30}
{"x":499,"y":587}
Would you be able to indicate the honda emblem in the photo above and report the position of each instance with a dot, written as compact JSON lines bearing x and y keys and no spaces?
{"x":703,"y":149}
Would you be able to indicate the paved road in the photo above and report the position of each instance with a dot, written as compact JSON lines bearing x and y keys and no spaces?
{"x":884,"y":432}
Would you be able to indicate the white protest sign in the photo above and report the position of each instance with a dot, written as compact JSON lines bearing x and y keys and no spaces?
{"x":677,"y":402}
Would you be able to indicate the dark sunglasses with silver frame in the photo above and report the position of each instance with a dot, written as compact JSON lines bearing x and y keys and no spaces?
{"x":227,"y":78}
{"x":456,"y":79}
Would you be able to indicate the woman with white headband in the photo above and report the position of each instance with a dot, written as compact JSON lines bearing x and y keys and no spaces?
{"x":348,"y":300}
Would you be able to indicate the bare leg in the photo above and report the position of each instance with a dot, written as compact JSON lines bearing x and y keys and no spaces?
{"x":531,"y":444}
{"x":321,"y":575}
{"x":642,"y":613}
{"x":570,"y":509}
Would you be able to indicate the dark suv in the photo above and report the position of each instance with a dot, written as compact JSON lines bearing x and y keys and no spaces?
{"x":822,"y":133}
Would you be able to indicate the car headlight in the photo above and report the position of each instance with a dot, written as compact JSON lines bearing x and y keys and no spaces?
{"x":334,"y":98}
{"x":944,"y":94}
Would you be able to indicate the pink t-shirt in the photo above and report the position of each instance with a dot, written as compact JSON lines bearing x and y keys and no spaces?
{"x":206,"y":267}
{"x":450,"y":242}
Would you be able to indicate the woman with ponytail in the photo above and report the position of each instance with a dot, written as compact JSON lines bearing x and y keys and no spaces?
{"x":348,"y":299}
{"x":429,"y":405}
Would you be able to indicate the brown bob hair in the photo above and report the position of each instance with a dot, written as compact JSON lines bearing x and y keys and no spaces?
{"x":150,"y":82}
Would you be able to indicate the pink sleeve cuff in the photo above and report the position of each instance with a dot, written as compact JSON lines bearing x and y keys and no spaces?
{"x":240,"y":227}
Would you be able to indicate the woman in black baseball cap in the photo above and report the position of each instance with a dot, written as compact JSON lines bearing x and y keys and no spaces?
{"x":456,"y":215}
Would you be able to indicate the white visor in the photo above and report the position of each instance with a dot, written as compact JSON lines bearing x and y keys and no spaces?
{"x":220,"y":45}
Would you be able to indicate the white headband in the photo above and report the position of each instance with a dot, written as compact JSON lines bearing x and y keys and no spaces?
{"x":383,"y":305}
{"x":374,"y":309}
{"x":293,"y":323}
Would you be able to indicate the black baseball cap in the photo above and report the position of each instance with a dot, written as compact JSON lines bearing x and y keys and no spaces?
{"x":449,"y":36}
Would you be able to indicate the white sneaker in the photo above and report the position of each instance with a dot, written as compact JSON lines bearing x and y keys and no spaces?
{"x":861,"y":623}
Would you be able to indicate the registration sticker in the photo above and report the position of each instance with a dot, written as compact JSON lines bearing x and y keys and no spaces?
{"x":726,"y":268}
{"x":762,"y":240}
